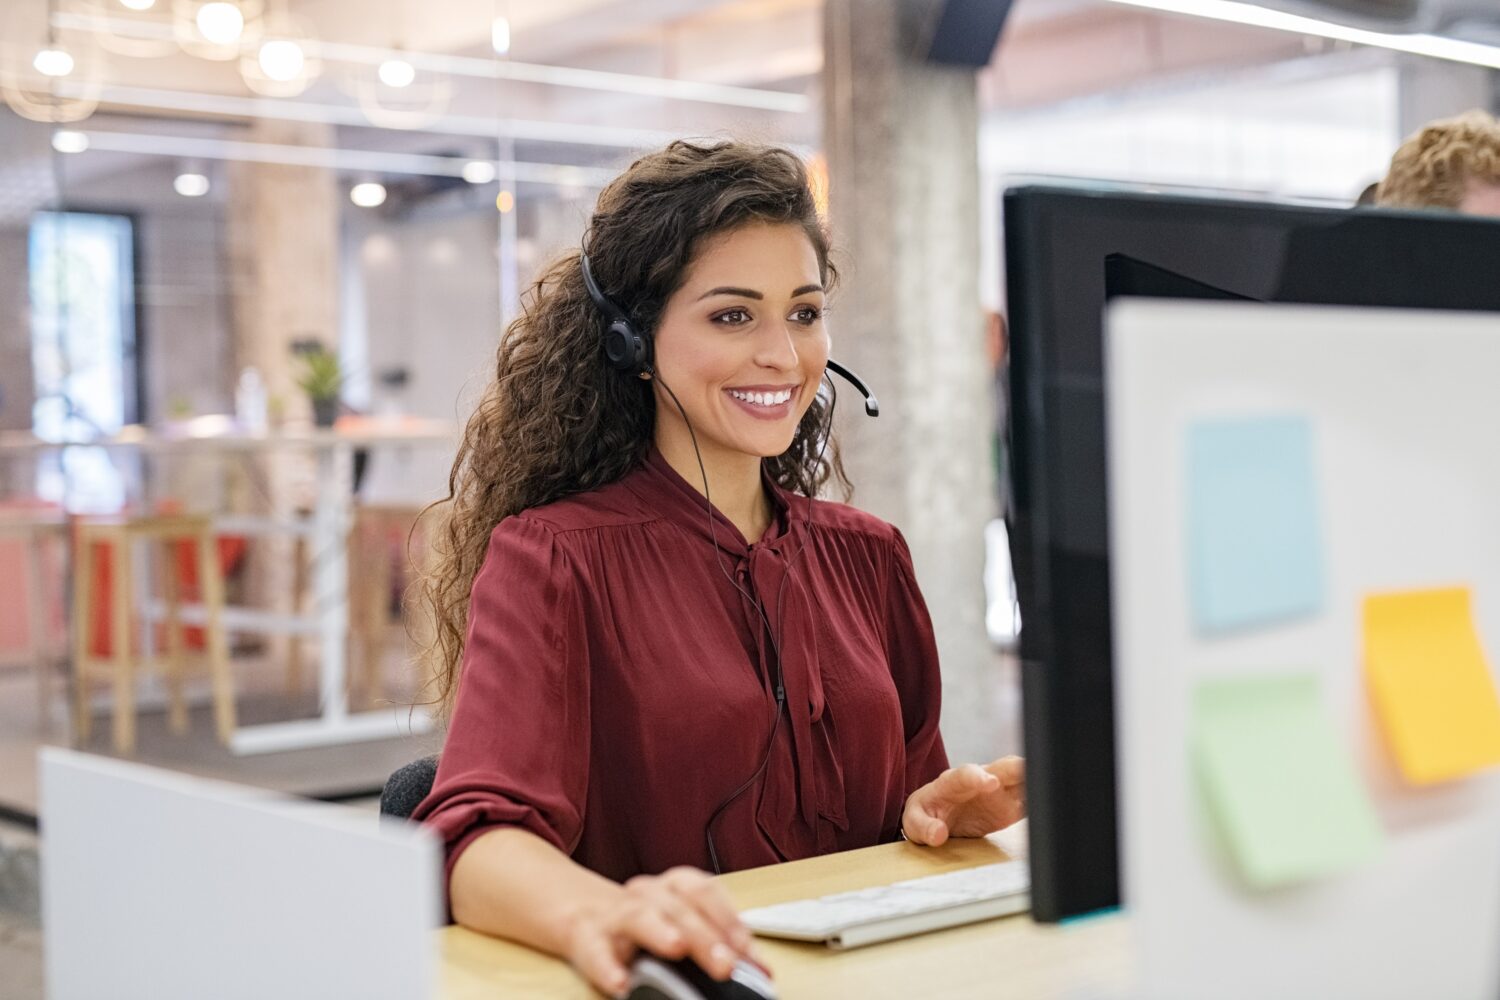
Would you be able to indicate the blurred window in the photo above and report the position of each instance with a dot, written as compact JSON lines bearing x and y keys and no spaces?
{"x":82,"y":287}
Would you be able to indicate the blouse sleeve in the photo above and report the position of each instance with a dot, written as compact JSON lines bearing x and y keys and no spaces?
{"x":517,"y":748}
{"x":911,"y":649}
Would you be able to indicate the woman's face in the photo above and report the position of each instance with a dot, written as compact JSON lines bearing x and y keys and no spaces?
{"x":742,"y":342}
{"x":1481,"y":199}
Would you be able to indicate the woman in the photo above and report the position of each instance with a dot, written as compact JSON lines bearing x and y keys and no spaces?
{"x":637,"y":587}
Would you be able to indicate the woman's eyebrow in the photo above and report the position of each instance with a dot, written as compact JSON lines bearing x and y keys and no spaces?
{"x":744,"y":293}
{"x":750,"y":293}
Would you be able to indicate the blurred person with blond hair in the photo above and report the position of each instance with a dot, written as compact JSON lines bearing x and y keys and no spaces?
{"x":1453,"y":163}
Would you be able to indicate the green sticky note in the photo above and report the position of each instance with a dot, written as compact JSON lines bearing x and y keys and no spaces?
{"x":1279,"y":784}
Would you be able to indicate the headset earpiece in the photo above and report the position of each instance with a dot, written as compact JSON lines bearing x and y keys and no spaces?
{"x":626,"y":349}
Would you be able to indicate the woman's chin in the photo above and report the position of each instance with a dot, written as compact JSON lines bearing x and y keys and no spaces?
{"x":763,"y":445}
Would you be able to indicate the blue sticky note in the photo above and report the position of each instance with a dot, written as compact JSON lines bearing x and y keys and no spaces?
{"x":1254,"y":547}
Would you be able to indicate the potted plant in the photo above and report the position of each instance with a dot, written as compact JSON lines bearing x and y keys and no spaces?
{"x":322,"y":378}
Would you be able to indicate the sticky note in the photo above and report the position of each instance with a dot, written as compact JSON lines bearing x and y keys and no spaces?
{"x":1433,"y":693}
{"x":1254,"y":547}
{"x":1279,"y":783}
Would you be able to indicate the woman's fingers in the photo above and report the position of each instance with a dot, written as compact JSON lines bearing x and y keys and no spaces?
{"x":701,"y":924}
{"x":656,"y":930}
{"x":682,"y":913}
{"x":1010,"y":770}
{"x":597,"y":956}
{"x":967,"y":801}
{"x":705,"y":943}
{"x":713,"y":903}
{"x":920,"y":821}
{"x":960,"y":784}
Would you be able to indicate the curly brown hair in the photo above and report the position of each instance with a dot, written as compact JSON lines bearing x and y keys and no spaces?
{"x":1433,"y":169}
{"x":557,"y":419}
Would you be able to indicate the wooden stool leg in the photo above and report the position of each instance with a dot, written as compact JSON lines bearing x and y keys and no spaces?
{"x":299,"y":601}
{"x":36,"y":624}
{"x":120,"y":651}
{"x":177,"y":718}
{"x":380,"y":615}
{"x":358,"y":604}
{"x":211,"y":585}
{"x":81,"y":633}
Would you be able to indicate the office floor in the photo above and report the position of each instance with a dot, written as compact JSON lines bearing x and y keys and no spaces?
{"x":20,"y":926}
{"x":339,"y":771}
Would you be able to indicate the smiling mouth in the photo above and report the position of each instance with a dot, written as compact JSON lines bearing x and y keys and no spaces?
{"x":766,"y":399}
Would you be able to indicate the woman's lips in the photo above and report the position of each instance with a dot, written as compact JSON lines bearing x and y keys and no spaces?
{"x":776,"y":411}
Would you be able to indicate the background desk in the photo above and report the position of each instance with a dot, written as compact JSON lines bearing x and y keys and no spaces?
{"x":1009,"y":957}
{"x":216,"y":439}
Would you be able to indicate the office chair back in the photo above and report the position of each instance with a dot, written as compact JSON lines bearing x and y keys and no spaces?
{"x":407,"y":787}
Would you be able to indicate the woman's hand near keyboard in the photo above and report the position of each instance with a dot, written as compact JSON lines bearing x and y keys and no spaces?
{"x":973,"y":800}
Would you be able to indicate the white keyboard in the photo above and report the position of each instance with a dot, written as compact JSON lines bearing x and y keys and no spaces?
{"x":901,"y":909}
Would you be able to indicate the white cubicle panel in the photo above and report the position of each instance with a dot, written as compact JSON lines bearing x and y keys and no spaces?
{"x":1404,"y":413}
{"x":161,"y":886}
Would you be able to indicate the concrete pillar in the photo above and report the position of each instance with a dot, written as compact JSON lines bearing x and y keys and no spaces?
{"x":902,"y":143}
{"x":283,"y":241}
{"x":283,"y":250}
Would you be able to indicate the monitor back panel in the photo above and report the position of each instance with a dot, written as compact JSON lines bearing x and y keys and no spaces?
{"x":161,"y":886}
{"x":1399,"y":410}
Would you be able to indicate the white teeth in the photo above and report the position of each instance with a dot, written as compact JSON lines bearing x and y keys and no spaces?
{"x":763,"y":398}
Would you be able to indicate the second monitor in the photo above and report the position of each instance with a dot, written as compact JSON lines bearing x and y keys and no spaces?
{"x":1068,"y":251}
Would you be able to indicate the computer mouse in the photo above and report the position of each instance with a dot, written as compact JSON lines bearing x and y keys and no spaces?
{"x":653,"y":978}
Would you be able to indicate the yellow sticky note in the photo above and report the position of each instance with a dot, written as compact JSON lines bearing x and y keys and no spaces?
{"x":1433,"y":693}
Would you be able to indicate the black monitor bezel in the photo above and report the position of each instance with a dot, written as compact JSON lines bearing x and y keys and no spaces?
{"x":1068,"y":707}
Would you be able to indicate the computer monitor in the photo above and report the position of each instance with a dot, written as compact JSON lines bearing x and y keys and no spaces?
{"x":1067,"y":251}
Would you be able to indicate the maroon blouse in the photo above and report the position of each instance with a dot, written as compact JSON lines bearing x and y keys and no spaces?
{"x":616,"y":688}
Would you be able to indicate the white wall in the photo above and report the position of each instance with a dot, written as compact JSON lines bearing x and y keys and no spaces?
{"x":1317,"y":129}
{"x":431,"y":295}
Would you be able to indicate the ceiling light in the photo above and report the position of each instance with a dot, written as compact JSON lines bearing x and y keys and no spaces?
{"x":69,"y":142}
{"x":505,"y":201}
{"x":138,"y":4}
{"x":53,"y":62}
{"x":500,"y":36}
{"x":367,"y":195}
{"x":220,"y":23}
{"x":397,"y":73}
{"x":281,"y":60}
{"x":479,"y":171}
{"x":191,"y":185}
{"x":1435,"y":46}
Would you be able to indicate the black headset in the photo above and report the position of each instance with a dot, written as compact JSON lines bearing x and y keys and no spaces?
{"x":629,"y":351}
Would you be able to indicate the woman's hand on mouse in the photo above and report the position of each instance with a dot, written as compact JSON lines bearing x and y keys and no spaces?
{"x":680,"y":913}
{"x":969,"y":801}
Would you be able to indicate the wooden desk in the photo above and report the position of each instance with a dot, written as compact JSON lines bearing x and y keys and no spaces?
{"x":1010,"y":957}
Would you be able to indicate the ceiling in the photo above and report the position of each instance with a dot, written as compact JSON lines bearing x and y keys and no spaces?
{"x":680,"y":67}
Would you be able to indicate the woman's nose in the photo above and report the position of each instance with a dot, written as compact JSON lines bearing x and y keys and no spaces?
{"x":778,"y":348}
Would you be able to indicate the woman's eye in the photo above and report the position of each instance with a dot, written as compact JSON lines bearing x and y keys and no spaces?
{"x":733,"y":317}
{"x":807,"y":314}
